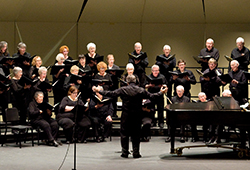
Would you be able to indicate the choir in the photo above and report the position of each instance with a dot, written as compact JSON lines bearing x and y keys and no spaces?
{"x":81,"y":108}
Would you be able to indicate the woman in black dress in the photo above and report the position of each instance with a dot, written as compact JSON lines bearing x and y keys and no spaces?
{"x":42,"y":84}
{"x":20,"y":94}
{"x":36,"y":64}
{"x":67,"y":117}
{"x":102,"y":75}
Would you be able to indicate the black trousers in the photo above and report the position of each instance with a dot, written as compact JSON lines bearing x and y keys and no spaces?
{"x":101,"y":126}
{"x":130,"y":126}
{"x":146,"y":124}
{"x":50,"y":127}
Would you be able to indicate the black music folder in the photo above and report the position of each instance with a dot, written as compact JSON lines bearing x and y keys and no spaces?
{"x":70,"y":62}
{"x":25,"y":80}
{"x":226,"y":78}
{"x":247,"y":74}
{"x":155,"y":81}
{"x":138,"y":57}
{"x":118,"y":72}
{"x":55,"y":69}
{"x":51,"y":107}
{"x":35,"y":71}
{"x":163,"y":58}
{"x":199,"y":58}
{"x":103,"y":101}
{"x":4,"y":86}
{"x":101,"y":82}
{"x":9,"y":58}
{"x":3,"y":77}
{"x":97,"y":59}
{"x":74,"y":78}
{"x":180,"y":75}
{"x":44,"y":86}
{"x":210,"y":74}
{"x":86,"y":72}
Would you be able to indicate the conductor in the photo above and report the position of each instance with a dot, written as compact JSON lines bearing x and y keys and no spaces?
{"x":131,"y":96}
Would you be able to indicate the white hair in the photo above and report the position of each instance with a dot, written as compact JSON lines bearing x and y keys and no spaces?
{"x":240,"y":40}
{"x":130,"y":65}
{"x":210,"y":40}
{"x":201,"y":94}
{"x":180,"y":87}
{"x":16,"y":70}
{"x":91,"y":45}
{"x":228,"y":92}
{"x":166,"y":47}
{"x":155,"y":66}
{"x":138,"y":43}
{"x":41,"y":69}
{"x":236,"y":62}
{"x":59,"y":57}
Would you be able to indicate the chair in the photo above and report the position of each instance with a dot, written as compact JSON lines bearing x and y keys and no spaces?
{"x":12,"y":116}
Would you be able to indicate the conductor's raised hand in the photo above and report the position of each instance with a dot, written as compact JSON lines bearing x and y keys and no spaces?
{"x":164,"y":89}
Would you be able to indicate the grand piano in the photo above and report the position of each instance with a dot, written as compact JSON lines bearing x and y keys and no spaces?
{"x":220,"y":111}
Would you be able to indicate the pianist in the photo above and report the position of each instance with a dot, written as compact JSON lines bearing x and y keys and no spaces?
{"x":179,"y":98}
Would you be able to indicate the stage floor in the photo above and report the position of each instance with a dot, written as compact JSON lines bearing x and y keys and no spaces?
{"x":106,"y":155}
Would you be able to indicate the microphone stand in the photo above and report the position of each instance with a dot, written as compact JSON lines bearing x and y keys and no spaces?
{"x":74,"y":130}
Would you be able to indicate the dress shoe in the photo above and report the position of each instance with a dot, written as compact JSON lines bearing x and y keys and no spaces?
{"x":53,"y":143}
{"x":59,"y":142}
{"x":182,"y":140}
{"x":136,"y":155}
{"x":124,"y":155}
{"x":168,"y":139}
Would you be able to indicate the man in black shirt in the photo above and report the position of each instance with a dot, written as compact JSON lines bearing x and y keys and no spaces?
{"x":211,"y":84}
{"x":131,"y":96}
{"x":179,"y":98}
{"x":238,"y":86}
{"x":185,"y":80}
{"x":154,"y":87}
{"x":209,"y":50}
{"x":139,"y":64}
{"x":241,"y":54}
{"x":167,"y":66}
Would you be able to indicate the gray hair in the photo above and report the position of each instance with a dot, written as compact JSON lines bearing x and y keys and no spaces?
{"x":240,"y":40}
{"x":202,"y":94}
{"x":180,"y":87}
{"x":166,"y":47}
{"x":236,"y":62}
{"x":138,"y":43}
{"x":210,"y":40}
{"x":59,"y":57}
{"x":91,"y":45}
{"x":155,"y":66}
{"x":21,"y":45}
{"x":3,"y":43}
{"x":41,"y":69}
{"x":38,"y":93}
{"x":130,"y":65}
{"x":131,"y":79}
{"x":16,"y":70}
